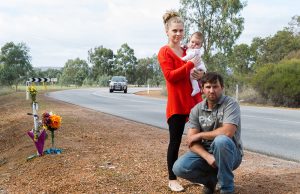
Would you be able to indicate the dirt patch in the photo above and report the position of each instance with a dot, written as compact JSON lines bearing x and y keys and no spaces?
{"x":107,"y":154}
{"x":152,"y":93}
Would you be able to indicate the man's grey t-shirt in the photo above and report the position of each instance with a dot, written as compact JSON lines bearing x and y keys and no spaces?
{"x":227,"y":110}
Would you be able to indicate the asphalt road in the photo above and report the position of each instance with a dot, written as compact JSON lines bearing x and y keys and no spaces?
{"x":271,"y":131}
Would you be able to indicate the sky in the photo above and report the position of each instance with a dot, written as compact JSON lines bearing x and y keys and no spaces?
{"x":58,"y":30}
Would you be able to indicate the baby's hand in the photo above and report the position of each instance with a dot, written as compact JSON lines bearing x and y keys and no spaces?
{"x":196,"y":60}
{"x":198,"y":52}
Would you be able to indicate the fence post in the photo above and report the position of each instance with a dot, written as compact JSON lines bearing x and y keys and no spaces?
{"x":27,"y":90}
{"x":237,"y":93}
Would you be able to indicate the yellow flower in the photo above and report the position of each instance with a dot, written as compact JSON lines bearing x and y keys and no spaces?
{"x":32,"y":90}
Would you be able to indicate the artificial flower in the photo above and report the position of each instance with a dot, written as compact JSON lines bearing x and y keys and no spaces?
{"x":55,"y":121}
{"x":51,"y":121}
{"x":33,"y":92}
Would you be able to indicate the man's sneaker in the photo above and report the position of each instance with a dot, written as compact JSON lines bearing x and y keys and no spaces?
{"x":218,"y":187}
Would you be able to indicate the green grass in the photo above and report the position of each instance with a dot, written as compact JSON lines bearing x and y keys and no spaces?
{"x":22,"y":88}
{"x":47,"y":87}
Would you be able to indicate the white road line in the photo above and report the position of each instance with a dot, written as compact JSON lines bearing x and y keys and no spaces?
{"x":127,"y":99}
{"x":271,"y":119}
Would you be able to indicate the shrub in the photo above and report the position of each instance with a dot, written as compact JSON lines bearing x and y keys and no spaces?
{"x":280,"y":82}
{"x":103,"y":80}
{"x":88,"y":81}
{"x":6,"y":90}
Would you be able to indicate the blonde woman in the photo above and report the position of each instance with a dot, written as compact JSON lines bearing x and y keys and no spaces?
{"x":177,"y":76}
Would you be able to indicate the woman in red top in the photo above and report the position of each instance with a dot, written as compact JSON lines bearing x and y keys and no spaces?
{"x":180,"y":101}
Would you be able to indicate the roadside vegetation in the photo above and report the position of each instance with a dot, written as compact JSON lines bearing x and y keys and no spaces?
{"x":6,"y":90}
{"x":266,"y":71}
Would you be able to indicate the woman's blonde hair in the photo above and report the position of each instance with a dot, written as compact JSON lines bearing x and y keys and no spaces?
{"x":171,"y":16}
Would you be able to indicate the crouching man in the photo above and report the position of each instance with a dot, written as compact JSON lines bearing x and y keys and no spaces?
{"x":214,"y":139}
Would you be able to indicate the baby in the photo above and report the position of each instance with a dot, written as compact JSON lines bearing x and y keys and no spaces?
{"x":193,"y":50}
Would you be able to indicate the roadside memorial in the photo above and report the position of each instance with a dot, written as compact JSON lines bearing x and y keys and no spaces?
{"x":49,"y":121}
{"x":36,"y":134}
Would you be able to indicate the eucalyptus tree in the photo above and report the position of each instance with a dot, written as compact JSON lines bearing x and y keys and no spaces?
{"x":74,"y":72}
{"x":148,"y":71}
{"x":294,"y":25}
{"x":278,"y":46}
{"x":274,"y":48}
{"x":144,"y":71}
{"x":219,"y":21}
{"x":102,"y":61}
{"x":241,"y":59}
{"x":157,"y":77}
{"x":15,"y":60}
{"x":125,"y":63}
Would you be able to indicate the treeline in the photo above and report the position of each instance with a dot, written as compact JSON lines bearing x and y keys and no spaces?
{"x":102,"y":63}
{"x":268,"y":66}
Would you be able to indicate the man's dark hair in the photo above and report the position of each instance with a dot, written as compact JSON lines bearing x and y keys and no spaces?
{"x":212,"y":77}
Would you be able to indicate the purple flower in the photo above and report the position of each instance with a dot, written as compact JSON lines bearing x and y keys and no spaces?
{"x":46,"y":119}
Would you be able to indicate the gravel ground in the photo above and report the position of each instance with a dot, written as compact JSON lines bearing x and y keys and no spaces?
{"x":106,"y":154}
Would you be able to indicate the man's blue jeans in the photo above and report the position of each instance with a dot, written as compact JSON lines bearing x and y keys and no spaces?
{"x":194,"y":168}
